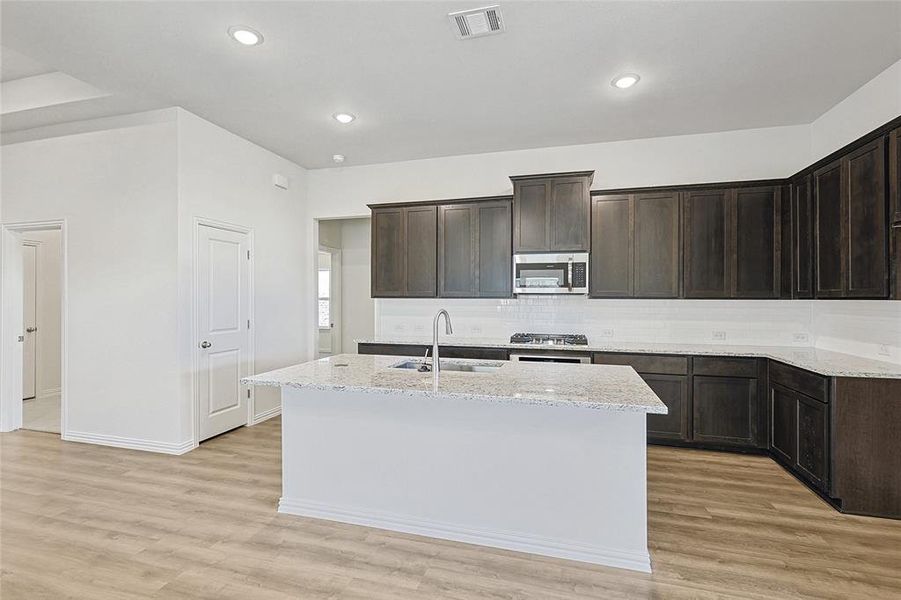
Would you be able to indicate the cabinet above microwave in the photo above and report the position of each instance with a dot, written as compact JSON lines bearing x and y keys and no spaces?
{"x":551,"y":212}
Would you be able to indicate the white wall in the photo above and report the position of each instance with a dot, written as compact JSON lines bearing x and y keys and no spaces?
{"x":49,"y":305}
{"x":224,"y":177}
{"x":710,"y":157}
{"x":877,"y":102}
{"x":116,"y":189}
{"x":357,"y":306}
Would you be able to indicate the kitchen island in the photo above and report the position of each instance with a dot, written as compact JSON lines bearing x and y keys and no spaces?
{"x":548,"y":459}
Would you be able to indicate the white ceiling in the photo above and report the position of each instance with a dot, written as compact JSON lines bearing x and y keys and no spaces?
{"x":420,"y":92}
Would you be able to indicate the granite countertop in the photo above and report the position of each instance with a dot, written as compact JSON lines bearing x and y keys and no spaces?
{"x":601,"y":387}
{"x":824,"y":362}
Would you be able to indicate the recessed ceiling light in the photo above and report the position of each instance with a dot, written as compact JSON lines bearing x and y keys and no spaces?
{"x":344,"y":118}
{"x":626,"y":80}
{"x":245,"y":35}
{"x":338,"y":158}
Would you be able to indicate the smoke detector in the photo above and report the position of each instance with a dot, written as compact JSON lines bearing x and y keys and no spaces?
{"x":476,"y":22}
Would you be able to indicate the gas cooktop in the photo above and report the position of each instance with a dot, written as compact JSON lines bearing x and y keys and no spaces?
{"x":549,"y":339}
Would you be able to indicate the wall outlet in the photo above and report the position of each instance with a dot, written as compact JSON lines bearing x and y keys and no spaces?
{"x":800,"y":338}
{"x":475,"y":329}
{"x":419,"y":328}
{"x":719,"y":335}
{"x":883,"y":350}
{"x":606,"y":333}
{"x":400,"y":327}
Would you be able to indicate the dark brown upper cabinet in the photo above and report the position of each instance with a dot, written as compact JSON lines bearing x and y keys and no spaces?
{"x":404,"y":245}
{"x":635,"y":246}
{"x":732,"y":243}
{"x":895,"y":192}
{"x":801,"y":233}
{"x":706,"y":241}
{"x":611,"y":261}
{"x":551,"y":213}
{"x":756,"y":234}
{"x":851,"y":235}
{"x":475,"y":250}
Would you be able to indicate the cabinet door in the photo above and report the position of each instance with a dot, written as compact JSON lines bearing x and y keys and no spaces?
{"x":611,"y":247}
{"x":657,"y":257}
{"x":457,"y":251}
{"x":495,"y":258}
{"x":812,"y":440}
{"x":827,"y":192}
{"x":531,"y":215}
{"x":784,"y":424}
{"x":802,"y":238}
{"x":895,"y":190}
{"x":866,"y":222}
{"x":725,"y":410}
{"x":420,"y":237}
{"x":388,"y":255}
{"x":569,"y":214}
{"x":756,"y":222}
{"x":673,"y":391}
{"x":706,"y":242}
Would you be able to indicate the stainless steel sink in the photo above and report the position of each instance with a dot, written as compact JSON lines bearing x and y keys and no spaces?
{"x":418,"y":365}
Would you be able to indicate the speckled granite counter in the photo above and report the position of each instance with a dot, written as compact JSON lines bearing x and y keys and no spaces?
{"x":824,"y":362}
{"x":601,"y":387}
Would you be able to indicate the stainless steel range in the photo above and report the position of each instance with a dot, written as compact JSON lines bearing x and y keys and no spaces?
{"x":549,"y":339}
{"x":539,"y":342}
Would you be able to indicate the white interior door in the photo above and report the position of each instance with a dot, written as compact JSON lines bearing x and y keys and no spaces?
{"x":223,"y":310}
{"x":29,"y":319}
{"x":11,"y":334}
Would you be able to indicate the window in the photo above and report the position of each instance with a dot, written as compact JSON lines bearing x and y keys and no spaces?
{"x":325,"y":318}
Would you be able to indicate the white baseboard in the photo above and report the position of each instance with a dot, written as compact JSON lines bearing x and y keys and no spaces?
{"x":129,"y":443}
{"x":266,"y":414}
{"x":636,"y":561}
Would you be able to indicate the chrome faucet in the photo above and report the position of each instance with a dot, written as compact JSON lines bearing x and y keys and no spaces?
{"x":448,"y":329}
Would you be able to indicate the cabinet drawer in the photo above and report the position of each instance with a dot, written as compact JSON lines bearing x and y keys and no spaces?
{"x":809,"y":384}
{"x":725,"y":367}
{"x":646,"y":363}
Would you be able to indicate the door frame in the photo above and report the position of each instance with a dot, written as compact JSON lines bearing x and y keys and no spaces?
{"x":334,"y":285}
{"x":37,"y":313}
{"x":195,"y":320}
{"x":10,"y":408}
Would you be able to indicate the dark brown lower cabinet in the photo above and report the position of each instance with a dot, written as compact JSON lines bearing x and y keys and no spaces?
{"x":725,"y":410}
{"x":443,"y":351}
{"x":813,"y":440}
{"x":673,"y":391}
{"x":784,"y":423}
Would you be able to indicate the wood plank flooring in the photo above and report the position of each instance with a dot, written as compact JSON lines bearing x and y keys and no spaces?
{"x":81,"y":521}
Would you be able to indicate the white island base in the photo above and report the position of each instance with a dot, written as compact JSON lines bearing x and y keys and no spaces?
{"x":566,"y":482}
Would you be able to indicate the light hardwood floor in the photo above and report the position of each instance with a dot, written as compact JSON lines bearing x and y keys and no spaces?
{"x":80,"y":521}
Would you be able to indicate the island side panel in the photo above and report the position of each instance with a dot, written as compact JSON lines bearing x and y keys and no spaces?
{"x":557,"y":481}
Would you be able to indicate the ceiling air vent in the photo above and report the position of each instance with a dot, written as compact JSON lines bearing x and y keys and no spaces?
{"x":477,"y":22}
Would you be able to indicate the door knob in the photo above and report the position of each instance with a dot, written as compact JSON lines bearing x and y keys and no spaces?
{"x":30,"y":329}
{"x":205,"y":344}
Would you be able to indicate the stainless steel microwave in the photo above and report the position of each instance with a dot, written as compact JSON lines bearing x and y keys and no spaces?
{"x":565,"y":273}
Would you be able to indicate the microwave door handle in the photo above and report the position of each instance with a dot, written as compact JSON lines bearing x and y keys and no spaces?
{"x":569,"y":274}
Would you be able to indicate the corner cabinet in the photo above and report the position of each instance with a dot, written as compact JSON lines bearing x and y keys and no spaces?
{"x":551,"y":212}
{"x":404,"y":247}
{"x":475,"y":250}
{"x":851,"y":239}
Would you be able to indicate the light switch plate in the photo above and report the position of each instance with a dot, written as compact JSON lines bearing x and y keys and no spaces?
{"x":801,"y":338}
{"x":607,"y":333}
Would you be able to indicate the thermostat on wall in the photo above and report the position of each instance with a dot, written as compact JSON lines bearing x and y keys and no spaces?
{"x":280,"y":181}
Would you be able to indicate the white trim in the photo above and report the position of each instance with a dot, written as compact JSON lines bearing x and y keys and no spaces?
{"x":266,"y":415}
{"x":195,"y":335}
{"x":61,"y":225}
{"x":636,"y":561}
{"x":116,"y":441}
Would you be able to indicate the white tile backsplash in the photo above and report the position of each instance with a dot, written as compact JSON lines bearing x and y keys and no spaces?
{"x":862,"y":327}
{"x":758,"y":322}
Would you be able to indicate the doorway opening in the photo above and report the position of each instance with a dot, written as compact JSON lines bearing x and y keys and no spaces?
{"x":32,"y":327}
{"x":345,"y":310}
